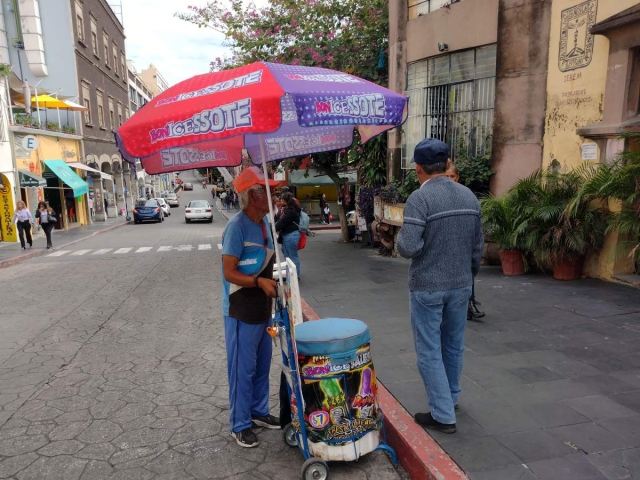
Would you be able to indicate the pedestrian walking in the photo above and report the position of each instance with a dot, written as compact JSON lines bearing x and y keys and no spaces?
{"x":223,"y":199}
{"x":90,"y":204}
{"x":247,"y":301}
{"x":23,"y":219}
{"x":473,"y":312}
{"x":442,"y":235}
{"x":324,"y":210}
{"x":46,"y":218}
{"x":287,"y":228}
{"x":106,"y":206}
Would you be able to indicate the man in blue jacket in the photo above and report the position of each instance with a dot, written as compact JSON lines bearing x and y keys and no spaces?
{"x":442,"y":235}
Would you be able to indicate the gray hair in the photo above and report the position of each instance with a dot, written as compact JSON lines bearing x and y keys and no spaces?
{"x":244,"y":198}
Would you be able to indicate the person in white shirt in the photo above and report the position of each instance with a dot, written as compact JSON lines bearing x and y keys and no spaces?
{"x":23,"y":219}
{"x":90,"y":202}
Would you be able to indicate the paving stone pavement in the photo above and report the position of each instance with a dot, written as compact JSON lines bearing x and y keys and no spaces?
{"x":115,"y":368}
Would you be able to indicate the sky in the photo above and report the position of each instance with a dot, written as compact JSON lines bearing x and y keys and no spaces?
{"x":177,"y":48}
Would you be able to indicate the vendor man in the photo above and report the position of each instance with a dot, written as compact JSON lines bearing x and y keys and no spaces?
{"x":248,"y":290}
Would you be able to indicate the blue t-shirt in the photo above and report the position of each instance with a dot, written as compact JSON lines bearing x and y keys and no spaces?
{"x":250,"y":305}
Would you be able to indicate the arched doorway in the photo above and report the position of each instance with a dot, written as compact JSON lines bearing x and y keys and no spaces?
{"x":107,"y":188}
{"x":116,"y":166}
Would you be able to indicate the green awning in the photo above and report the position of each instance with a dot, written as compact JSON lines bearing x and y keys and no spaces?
{"x":297,"y":178}
{"x":68,"y":176}
{"x":28,"y":179}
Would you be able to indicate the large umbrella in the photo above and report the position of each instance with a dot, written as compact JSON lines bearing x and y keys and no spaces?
{"x":273,"y":111}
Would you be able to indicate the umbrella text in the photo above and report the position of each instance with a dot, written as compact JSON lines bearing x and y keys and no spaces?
{"x":354,"y":106}
{"x":173,"y":157}
{"x":241,"y":81}
{"x":280,"y":145}
{"x":226,"y":117}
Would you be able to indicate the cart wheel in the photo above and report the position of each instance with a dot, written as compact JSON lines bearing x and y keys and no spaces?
{"x":289,"y":435}
{"x":315,"y":469}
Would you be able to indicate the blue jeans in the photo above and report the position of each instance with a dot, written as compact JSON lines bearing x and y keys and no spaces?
{"x":290,"y":247}
{"x":438,"y":320}
{"x":248,"y":363}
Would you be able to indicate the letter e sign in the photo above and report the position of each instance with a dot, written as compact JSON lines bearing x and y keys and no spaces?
{"x":30,"y":143}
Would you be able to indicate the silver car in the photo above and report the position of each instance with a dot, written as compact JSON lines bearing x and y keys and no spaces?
{"x":173,"y":200}
{"x":198,"y":210}
{"x":163,"y":206}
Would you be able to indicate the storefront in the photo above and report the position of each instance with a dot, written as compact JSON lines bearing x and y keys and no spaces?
{"x":65,"y":191}
{"x":309,"y":189}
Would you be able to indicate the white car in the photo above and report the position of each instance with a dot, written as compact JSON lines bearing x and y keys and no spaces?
{"x":198,"y":210}
{"x":163,"y":206}
{"x":173,"y":200}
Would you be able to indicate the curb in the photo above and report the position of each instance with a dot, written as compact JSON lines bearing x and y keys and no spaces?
{"x":418,"y":453}
{"x":324,"y":227}
{"x":38,"y":253}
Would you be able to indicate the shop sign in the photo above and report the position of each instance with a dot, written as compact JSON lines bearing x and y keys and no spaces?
{"x":576,"y":40}
{"x":6,"y":212}
{"x":25,"y":144}
{"x":589,"y":151}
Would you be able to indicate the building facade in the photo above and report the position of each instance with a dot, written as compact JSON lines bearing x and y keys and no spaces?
{"x":154,"y":81}
{"x":102,"y":74}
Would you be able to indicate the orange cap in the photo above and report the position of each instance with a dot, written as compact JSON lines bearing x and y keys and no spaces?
{"x":252,"y":176}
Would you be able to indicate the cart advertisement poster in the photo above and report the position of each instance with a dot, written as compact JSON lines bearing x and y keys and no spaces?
{"x":340,"y":400}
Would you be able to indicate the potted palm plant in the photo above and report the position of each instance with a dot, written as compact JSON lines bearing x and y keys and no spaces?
{"x":562,"y":227}
{"x":504,"y":225}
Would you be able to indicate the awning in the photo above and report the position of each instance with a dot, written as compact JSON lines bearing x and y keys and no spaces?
{"x":68,"y":176}
{"x":297,"y":178}
{"x":28,"y":179}
{"x":82,"y":166}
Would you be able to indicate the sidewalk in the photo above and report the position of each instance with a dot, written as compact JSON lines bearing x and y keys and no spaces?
{"x":551,"y":384}
{"x":12,"y":253}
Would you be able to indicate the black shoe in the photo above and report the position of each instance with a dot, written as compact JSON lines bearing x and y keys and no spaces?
{"x":48,"y":247}
{"x":473,"y":312}
{"x":456,"y":407}
{"x":246,"y":438}
{"x":426,"y":420}
{"x":267,"y":421}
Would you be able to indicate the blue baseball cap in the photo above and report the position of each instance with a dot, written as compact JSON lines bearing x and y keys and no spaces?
{"x":430,"y":151}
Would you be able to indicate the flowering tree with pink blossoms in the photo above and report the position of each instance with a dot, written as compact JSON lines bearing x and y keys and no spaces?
{"x":345,"y":35}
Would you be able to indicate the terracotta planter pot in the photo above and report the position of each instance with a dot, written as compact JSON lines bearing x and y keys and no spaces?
{"x":512,"y":262}
{"x":568,"y":269}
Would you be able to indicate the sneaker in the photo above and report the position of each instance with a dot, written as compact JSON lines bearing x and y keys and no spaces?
{"x":267,"y":421}
{"x":246,"y":438}
{"x":427,"y":421}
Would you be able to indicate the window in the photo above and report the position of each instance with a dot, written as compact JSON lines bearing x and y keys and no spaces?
{"x":452,"y":99}
{"x":634,"y":83}
{"x":418,"y":8}
{"x":128,"y":113}
{"x":112,"y":115}
{"x":86,"y":101}
{"x":100,"y":109}
{"x":114,"y":50}
{"x":120,"y":120}
{"x":105,"y":45}
{"x":133,"y":95}
{"x":123,"y":66}
{"x":94,"y":36}
{"x":79,"y":22}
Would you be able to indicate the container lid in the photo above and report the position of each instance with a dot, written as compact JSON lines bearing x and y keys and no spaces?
{"x":331,"y":335}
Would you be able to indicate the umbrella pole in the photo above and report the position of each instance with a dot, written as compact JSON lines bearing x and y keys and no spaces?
{"x":272,"y":222}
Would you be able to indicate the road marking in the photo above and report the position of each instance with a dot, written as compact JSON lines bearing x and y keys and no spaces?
{"x":184,"y":248}
{"x":80,"y":252}
{"x":164,"y":249}
{"x":204,"y":246}
{"x":143,"y":249}
{"x":122,"y":250}
{"x":102,"y":251}
{"x":219,"y":246}
{"x":58,"y":253}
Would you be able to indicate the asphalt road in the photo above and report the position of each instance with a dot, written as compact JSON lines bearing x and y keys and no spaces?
{"x":112,"y":364}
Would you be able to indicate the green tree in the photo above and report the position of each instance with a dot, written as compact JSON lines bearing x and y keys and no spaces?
{"x":345,"y":35}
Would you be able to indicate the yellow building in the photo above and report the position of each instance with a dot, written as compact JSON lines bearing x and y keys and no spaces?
{"x":593,"y":93}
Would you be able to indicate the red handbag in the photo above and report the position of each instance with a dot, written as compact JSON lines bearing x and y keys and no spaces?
{"x":303,"y":241}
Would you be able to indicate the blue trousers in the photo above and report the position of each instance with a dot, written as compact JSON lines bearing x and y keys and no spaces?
{"x":248,"y":364}
{"x":290,"y":248}
{"x":438,"y":320}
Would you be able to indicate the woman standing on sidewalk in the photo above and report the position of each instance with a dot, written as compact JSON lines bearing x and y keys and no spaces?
{"x":287,"y":228}
{"x":46,"y":218}
{"x":23,"y":219}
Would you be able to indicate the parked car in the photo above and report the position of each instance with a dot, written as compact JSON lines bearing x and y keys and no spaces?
{"x":164,"y":206}
{"x":188,"y":186}
{"x":198,"y":210}
{"x":150,"y":211}
{"x":173,"y":200}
